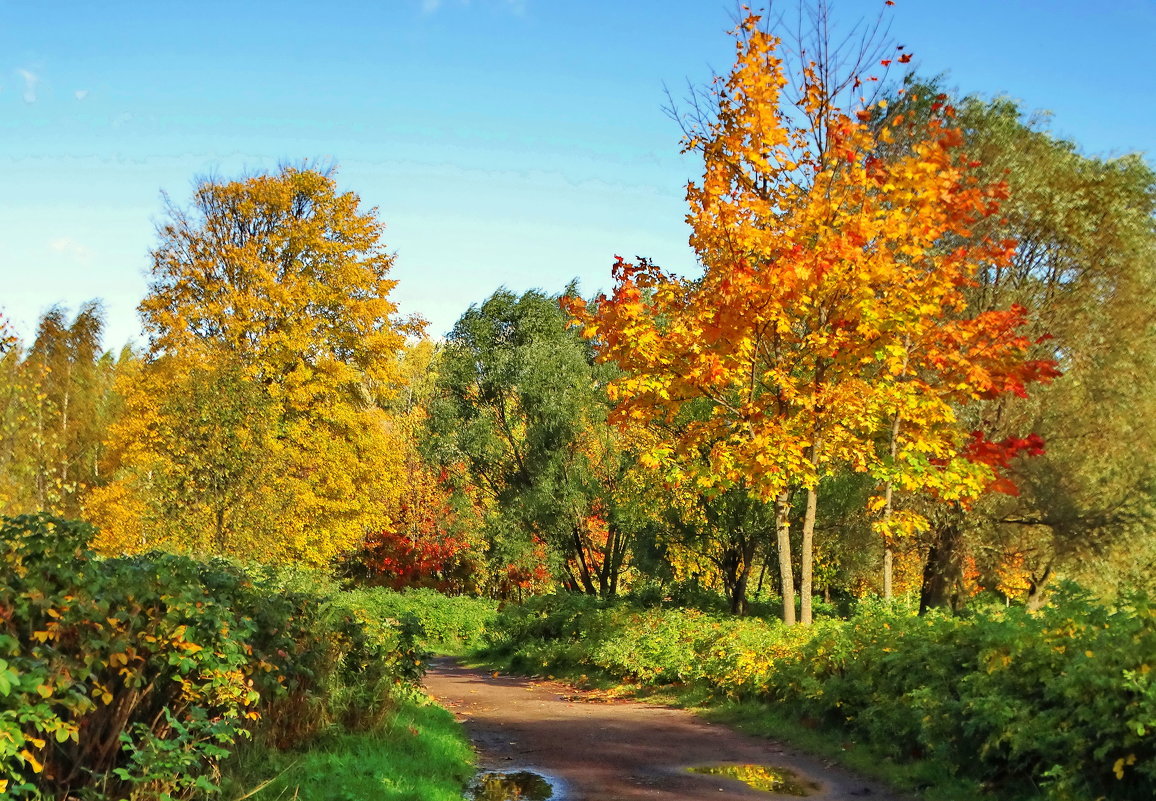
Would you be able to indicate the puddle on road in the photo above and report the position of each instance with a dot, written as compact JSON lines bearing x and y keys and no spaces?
{"x":522,"y":785}
{"x":768,"y":778}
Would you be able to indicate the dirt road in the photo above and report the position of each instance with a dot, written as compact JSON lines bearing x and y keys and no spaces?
{"x":618,"y":751}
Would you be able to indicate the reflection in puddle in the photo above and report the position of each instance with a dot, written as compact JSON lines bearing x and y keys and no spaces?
{"x":762,"y":777}
{"x":497,"y":786}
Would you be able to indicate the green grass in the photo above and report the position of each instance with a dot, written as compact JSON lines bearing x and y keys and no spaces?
{"x":420,"y":754}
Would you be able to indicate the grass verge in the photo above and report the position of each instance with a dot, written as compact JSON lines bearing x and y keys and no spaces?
{"x":419,"y":754}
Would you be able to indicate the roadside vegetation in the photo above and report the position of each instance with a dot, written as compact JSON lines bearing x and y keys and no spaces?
{"x":996,"y":702}
{"x":162,"y":676}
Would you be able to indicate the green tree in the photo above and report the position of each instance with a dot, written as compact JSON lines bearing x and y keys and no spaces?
{"x":520,"y":414}
{"x":1085,"y":267}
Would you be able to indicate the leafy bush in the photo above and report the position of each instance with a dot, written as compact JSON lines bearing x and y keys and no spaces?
{"x":655,"y":645}
{"x":133,"y":677}
{"x":443,"y":623}
{"x":1062,"y":700}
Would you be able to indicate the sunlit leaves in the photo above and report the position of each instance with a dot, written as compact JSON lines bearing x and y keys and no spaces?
{"x":257,"y":420}
{"x":832,"y":306}
{"x":828,"y":300}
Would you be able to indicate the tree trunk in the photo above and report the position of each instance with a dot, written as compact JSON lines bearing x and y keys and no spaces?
{"x":943,"y":571}
{"x":762,"y":574}
{"x":807,"y":555}
{"x":583,"y":567}
{"x":888,"y":497}
{"x":887,"y":562}
{"x":1036,"y":586}
{"x":738,"y":597}
{"x":786,"y":572}
{"x":220,"y":544}
{"x":742,"y":579}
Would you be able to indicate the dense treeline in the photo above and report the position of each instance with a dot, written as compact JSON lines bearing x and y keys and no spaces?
{"x":273,"y":418}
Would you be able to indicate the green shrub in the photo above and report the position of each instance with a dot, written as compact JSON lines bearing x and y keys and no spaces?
{"x":443,"y":623}
{"x":133,"y":677}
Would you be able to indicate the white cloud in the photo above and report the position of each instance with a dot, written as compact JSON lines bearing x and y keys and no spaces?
{"x":31,"y":80}
{"x":80,"y":94}
{"x":517,"y":7}
{"x":71,"y":249}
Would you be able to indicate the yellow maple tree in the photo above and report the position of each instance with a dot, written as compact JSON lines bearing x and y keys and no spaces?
{"x":255,"y":426}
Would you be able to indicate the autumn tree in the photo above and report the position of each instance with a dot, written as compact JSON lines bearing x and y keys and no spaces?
{"x":431,"y":537}
{"x":825,"y":268}
{"x":56,"y":401}
{"x":256,"y":423}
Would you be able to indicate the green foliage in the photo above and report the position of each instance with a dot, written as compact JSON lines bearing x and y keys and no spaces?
{"x":445,"y":624}
{"x":418,"y":754}
{"x":1063,"y":699}
{"x":520,"y":419}
{"x":135,"y":676}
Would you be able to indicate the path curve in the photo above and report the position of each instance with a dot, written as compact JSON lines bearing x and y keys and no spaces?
{"x":617,"y":751}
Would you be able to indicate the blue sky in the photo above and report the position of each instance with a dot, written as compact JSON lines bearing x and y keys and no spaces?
{"x":504,"y":142}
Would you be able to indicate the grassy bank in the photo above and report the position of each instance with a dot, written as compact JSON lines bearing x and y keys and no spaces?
{"x":419,"y":753}
{"x":415,"y":751}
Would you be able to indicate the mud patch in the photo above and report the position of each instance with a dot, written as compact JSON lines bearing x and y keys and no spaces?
{"x":768,"y":778}
{"x":586,"y":699}
{"x":522,"y":785}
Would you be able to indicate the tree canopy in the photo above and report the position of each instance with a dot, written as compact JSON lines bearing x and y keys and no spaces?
{"x":256,"y":424}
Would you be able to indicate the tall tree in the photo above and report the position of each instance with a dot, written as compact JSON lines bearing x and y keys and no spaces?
{"x":824,"y":266}
{"x":273,"y":341}
{"x":1084,"y":268}
{"x":520,"y":415}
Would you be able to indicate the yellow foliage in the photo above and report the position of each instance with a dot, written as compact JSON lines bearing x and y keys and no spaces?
{"x":255,"y":428}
